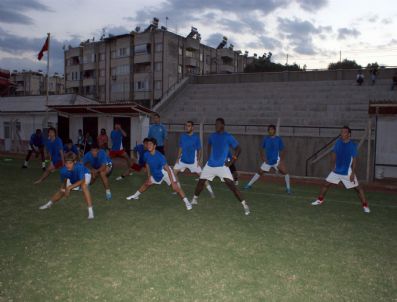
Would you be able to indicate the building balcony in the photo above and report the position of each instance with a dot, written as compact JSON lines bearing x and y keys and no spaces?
{"x":89,"y":82}
{"x":226,"y":69}
{"x":72,"y":84}
{"x":226,"y":53}
{"x":142,"y":58}
{"x":192,"y":44}
{"x":191,"y":62}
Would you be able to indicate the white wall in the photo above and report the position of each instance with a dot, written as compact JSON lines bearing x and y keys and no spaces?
{"x":75,"y":123}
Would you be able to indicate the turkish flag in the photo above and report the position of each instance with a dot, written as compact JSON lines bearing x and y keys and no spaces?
{"x":43,"y":49}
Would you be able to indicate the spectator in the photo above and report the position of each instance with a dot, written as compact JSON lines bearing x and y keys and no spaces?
{"x":87,"y":142}
{"x":360,"y":78}
{"x":103,"y":140}
{"x":80,"y":140}
{"x":394,"y":81}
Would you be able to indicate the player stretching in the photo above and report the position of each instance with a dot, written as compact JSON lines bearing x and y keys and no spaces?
{"x":78,"y":176}
{"x":138,"y":161}
{"x":344,"y":160}
{"x":36,"y":145}
{"x":100,"y":165}
{"x":54,"y":147}
{"x":189,"y":154}
{"x":273,"y":158}
{"x":117,"y":149}
{"x":219,"y":144}
{"x":158,"y":171}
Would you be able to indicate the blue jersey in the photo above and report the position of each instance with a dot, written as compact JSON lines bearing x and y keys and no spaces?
{"x":53,"y":148}
{"x":220,"y":146}
{"x":72,"y":149}
{"x":190,"y":144}
{"x":272,"y":145}
{"x":156,"y":164}
{"x":36,"y":140}
{"x":76,"y":174}
{"x":345,"y":152}
{"x":140,"y":150}
{"x":98,"y":161}
{"x":158,"y":132}
{"x":117,"y":140}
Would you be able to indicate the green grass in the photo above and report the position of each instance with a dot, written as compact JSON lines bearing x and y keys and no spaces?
{"x":154,"y":250}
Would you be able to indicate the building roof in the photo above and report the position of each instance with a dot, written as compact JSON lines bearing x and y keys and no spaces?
{"x":125,"y":109}
{"x":38,"y":103}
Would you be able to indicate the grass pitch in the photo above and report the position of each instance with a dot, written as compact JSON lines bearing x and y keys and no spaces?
{"x":153,"y":249}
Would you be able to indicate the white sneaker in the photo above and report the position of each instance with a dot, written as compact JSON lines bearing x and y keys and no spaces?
{"x":194,"y":201}
{"x":45,"y":206}
{"x":76,"y":189}
{"x":119,"y":178}
{"x":188,"y":206}
{"x":212,"y":195}
{"x":246,"y":209}
{"x":366,"y":210}
{"x":132,"y":197}
{"x":317,"y":202}
{"x":174,"y":193}
{"x":91,"y":216}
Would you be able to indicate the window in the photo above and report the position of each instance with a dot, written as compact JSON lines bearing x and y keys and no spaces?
{"x":180,"y":50}
{"x":101,"y":57}
{"x":7,"y":129}
{"x":157,"y":66}
{"x":142,"y":49}
{"x":93,"y":58}
{"x":142,"y":85}
{"x":157,"y":85}
{"x":179,"y":68}
{"x":123,"y":52}
{"x":189,"y":54}
{"x":158,"y":47}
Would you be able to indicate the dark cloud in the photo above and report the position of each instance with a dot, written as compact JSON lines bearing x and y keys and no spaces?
{"x":30,"y":47}
{"x":265,"y":43}
{"x":300,"y":33}
{"x":312,"y":5}
{"x":14,"y":11}
{"x":214,"y":39}
{"x":344,"y":33}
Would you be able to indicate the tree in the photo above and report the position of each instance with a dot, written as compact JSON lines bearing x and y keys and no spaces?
{"x":265,"y":64}
{"x":345,"y":64}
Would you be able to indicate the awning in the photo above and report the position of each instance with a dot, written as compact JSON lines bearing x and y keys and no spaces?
{"x":127,"y":109}
{"x":385,"y":107}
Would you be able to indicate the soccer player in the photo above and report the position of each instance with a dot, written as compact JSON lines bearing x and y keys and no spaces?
{"x":100,"y":165}
{"x":138,"y":160}
{"x":272,"y":155}
{"x":36,"y":145}
{"x":68,"y":147}
{"x":78,"y":176}
{"x":54,"y":148}
{"x":189,"y":154}
{"x":117,"y":149}
{"x":344,"y":162}
{"x":158,"y":132}
{"x":219,"y":144}
{"x":158,"y":171}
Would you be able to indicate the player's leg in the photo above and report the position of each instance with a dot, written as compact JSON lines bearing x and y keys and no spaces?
{"x":283,"y":170}
{"x":46,"y":173}
{"x":25,"y":165}
{"x":146,"y":185}
{"x":87,"y":199}
{"x":230,"y":184}
{"x":54,"y":198}
{"x":199,"y":188}
{"x":42,"y":155}
{"x":176,"y":186}
{"x":363,"y":199}
{"x":255,"y":177}
{"x":324,"y":190}
{"x":105,"y":181}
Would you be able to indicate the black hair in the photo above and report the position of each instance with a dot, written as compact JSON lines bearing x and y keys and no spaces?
{"x":146,"y":139}
{"x":153,"y":140}
{"x":348,"y":129}
{"x":190,"y":122}
{"x":52,"y":129}
{"x":156,"y":115}
{"x":103,"y":129}
{"x":68,"y":141}
{"x":38,"y":131}
{"x":219,"y":119}
{"x":271,"y":127}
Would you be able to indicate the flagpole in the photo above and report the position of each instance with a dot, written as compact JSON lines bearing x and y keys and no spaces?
{"x":48,"y":74}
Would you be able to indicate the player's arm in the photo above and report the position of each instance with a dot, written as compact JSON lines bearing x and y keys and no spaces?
{"x":75,"y":185}
{"x":62,"y":155}
{"x":282,"y":155}
{"x":178,"y":158}
{"x":123,"y":132}
{"x":333,"y":160}
{"x":262,"y":154}
{"x":235,"y":156}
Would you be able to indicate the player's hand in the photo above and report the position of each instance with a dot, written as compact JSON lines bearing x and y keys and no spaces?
{"x":352,"y":176}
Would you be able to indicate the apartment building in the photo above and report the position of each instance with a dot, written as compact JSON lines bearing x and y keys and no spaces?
{"x":142,"y":66}
{"x":29,"y":83}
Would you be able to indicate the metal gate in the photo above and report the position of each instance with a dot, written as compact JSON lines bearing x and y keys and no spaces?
{"x":386,"y":147}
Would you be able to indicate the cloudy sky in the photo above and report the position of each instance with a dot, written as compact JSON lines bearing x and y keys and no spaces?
{"x":311,"y":32}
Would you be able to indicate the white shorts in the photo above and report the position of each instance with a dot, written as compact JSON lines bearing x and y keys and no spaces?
{"x":165,"y":178}
{"x":209,"y":173}
{"x":266,"y":167}
{"x":181,"y":166}
{"x":87,"y":178}
{"x":335,"y":178}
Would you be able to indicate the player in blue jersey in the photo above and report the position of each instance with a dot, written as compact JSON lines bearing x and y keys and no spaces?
{"x":138,"y":159}
{"x":219,"y":144}
{"x":158,"y":132}
{"x":69,"y":148}
{"x":189,"y":154}
{"x":273,"y":155}
{"x":36,"y":145}
{"x":100,"y":166}
{"x":54,"y":147}
{"x":117,"y":149}
{"x":344,"y":163}
{"x":77,"y":176}
{"x":158,"y":171}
